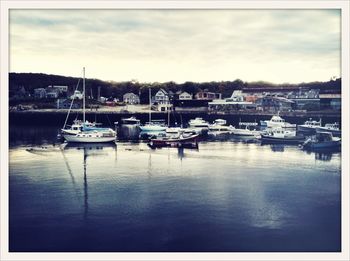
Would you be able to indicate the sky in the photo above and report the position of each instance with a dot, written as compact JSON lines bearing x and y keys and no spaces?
{"x":277,"y":46}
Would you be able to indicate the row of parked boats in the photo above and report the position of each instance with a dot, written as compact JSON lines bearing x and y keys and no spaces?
{"x":311,"y":134}
{"x":275,"y":130}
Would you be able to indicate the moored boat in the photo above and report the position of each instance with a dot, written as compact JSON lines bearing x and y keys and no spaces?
{"x":181,"y":140}
{"x":107,"y":135}
{"x":77,"y":127}
{"x":130,"y":121}
{"x":277,"y":121}
{"x":330,"y":127}
{"x":310,"y":125}
{"x":152,"y":126}
{"x":85,"y":131}
{"x":281,"y":135}
{"x":219,"y":126}
{"x":322,"y":140}
{"x":247,"y":129}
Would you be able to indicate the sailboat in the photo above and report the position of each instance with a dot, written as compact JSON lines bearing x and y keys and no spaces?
{"x":85,"y":131}
{"x":152,"y":126}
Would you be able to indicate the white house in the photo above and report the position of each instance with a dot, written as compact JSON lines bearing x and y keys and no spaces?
{"x":185,"y":96}
{"x":40,"y":93}
{"x":161,"y":97}
{"x":77,"y":95}
{"x":131,"y":98}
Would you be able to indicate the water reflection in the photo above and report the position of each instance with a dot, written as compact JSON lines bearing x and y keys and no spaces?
{"x":324,"y":154}
{"x":88,"y":149}
{"x":277,"y":147}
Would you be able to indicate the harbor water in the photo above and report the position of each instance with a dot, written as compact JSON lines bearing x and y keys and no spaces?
{"x":229,"y":195}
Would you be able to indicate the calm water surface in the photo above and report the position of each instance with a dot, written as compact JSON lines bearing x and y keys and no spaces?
{"x":225,"y":196}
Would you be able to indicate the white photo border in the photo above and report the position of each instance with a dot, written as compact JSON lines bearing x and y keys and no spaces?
{"x":7,"y":5}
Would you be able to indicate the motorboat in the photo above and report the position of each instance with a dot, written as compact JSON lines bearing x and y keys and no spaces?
{"x":178,"y":130}
{"x":246,"y":129}
{"x":281,"y":135}
{"x":309,"y":125}
{"x":182,"y":140}
{"x":198,"y":123}
{"x":277,"y":121}
{"x":219,"y":126}
{"x":130,"y":121}
{"x":322,"y":140}
{"x":330,"y":127}
{"x":153,"y":126}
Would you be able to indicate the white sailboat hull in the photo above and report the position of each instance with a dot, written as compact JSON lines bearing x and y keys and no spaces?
{"x":74,"y":138}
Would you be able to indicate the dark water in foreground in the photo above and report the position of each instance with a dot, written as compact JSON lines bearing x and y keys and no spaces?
{"x":225,"y":196}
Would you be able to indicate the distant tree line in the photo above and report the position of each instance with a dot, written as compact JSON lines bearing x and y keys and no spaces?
{"x":31,"y":81}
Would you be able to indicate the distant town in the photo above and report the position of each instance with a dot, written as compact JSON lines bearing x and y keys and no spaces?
{"x":218,"y":97}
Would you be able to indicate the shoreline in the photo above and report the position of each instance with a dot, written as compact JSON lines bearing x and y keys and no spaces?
{"x":302,"y":114}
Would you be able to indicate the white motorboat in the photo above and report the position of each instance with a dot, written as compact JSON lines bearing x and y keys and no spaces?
{"x":247,"y":129}
{"x":330,"y":127}
{"x":219,"y":127}
{"x":277,"y":121}
{"x":281,"y":135}
{"x":309,"y":125}
{"x":198,"y":123}
{"x":173,"y":131}
{"x":131,"y":121}
{"x":153,"y":127}
{"x":85,"y":131}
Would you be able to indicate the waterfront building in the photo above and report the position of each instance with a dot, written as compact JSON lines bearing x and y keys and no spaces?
{"x":274,"y":104}
{"x":306,"y":103}
{"x":227,"y":105}
{"x":39,"y":93}
{"x":330,"y":101}
{"x":206,"y":95}
{"x":185,"y":96}
{"x":161,"y":97}
{"x":52,"y":92}
{"x":131,"y":98}
{"x":60,"y":88}
{"x":66,"y":103}
{"x":164,"y":107}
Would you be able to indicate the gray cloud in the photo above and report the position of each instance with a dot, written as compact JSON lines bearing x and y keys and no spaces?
{"x":197,"y":44}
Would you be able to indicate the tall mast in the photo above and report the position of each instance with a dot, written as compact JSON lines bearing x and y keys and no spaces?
{"x":150,"y":105}
{"x":84,"y":94}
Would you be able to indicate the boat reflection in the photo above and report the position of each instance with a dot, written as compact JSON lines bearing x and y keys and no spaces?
{"x":88,"y":149}
{"x":324,"y":154}
{"x":128,"y":132}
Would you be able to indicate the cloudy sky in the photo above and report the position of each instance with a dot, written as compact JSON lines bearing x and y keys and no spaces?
{"x":178,"y":45}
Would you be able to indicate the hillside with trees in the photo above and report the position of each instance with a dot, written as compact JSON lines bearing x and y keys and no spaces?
{"x":31,"y":81}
